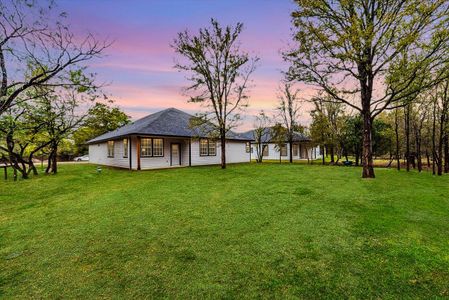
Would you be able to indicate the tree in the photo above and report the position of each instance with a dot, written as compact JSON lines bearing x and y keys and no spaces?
{"x":369,"y":54}
{"x":219,"y":71}
{"x":261,"y":126}
{"x":278,"y":136}
{"x":29,"y":37}
{"x":289,"y":109}
{"x":353,"y":135}
{"x":43,"y":122}
{"x":21,"y":138}
{"x":320,"y":129}
{"x":100,"y":118}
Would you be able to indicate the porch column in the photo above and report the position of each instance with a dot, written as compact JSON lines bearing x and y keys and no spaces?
{"x":130,"y":152}
{"x":190,"y":152}
{"x":138,"y":152}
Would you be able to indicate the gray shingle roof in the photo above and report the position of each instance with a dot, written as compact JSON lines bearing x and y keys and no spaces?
{"x":168,"y":122}
{"x":267,"y":136}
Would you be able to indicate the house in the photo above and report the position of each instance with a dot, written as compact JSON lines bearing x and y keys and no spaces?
{"x":302,"y":147}
{"x":163,"y":140}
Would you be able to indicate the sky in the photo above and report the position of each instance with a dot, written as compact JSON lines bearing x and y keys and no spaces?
{"x":138,"y":67}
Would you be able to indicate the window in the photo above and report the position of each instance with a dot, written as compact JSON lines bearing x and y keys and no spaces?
{"x":145,"y":148}
{"x":248,"y":147}
{"x":204,"y":147}
{"x":212,"y":148}
{"x":208,"y":147}
{"x":265,"y":150}
{"x":284,"y":150}
{"x":158,"y":147}
{"x":125,"y":148}
{"x":151,"y":147}
{"x":110,"y":148}
{"x":295,"y":149}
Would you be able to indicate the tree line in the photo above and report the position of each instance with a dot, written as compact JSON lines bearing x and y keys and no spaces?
{"x":369,"y":56}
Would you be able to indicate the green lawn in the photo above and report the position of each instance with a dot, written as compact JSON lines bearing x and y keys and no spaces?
{"x":251,"y":231}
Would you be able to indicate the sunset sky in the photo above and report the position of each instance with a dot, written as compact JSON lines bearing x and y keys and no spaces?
{"x":139,"y":64}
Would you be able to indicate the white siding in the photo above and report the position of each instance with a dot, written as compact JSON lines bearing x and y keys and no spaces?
{"x":235,"y":153}
{"x":147,"y":163}
{"x":98,"y":154}
{"x":273,"y":153}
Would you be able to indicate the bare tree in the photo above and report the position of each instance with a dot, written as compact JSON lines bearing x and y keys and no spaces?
{"x":370,"y":54}
{"x":261,"y":130}
{"x":289,"y":110}
{"x":30,"y":35}
{"x":219,"y":71}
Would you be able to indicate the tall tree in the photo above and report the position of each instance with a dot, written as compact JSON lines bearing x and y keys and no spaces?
{"x":219,"y":71}
{"x":347,"y":48}
{"x":289,"y":110}
{"x":31,"y":36}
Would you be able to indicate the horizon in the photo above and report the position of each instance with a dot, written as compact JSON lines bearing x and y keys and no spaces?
{"x":138,"y":66}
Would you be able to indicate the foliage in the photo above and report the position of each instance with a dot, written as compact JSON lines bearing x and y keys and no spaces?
{"x":219,"y":73}
{"x":370,"y":55}
{"x":100,"y":118}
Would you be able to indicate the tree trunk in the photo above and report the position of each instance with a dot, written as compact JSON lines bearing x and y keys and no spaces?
{"x":446,"y":153}
{"x":332,"y":154}
{"x":55,"y":161}
{"x":434,"y":151}
{"x":49,"y":162}
{"x":223,"y":148}
{"x":396,"y":130}
{"x":418,"y":152}
{"x":367,"y":156}
{"x":290,"y":143}
{"x":407,"y":136}
{"x":323,"y":155}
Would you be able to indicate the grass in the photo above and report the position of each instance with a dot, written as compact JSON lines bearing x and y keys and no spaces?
{"x":251,"y":231}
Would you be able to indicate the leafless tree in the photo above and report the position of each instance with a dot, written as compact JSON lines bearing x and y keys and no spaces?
{"x":261,"y":130}
{"x":289,"y":111}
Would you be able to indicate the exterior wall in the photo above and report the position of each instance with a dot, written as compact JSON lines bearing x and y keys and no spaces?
{"x":98,"y":154}
{"x":147,"y":163}
{"x":303,"y":153}
{"x":235,"y":153}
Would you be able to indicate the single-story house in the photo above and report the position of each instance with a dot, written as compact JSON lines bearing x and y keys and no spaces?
{"x":302,"y":148}
{"x":162,"y":140}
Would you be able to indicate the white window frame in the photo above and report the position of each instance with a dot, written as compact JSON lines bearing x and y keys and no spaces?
{"x":125,"y":148}
{"x":207,"y":147}
{"x":111,"y":146}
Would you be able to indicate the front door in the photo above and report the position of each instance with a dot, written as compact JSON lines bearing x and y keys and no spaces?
{"x":175,"y":158}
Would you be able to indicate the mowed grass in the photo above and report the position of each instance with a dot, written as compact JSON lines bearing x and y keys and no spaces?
{"x":251,"y":231}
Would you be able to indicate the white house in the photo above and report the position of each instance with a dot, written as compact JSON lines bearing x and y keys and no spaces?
{"x":302,"y":149}
{"x":163,"y":140}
